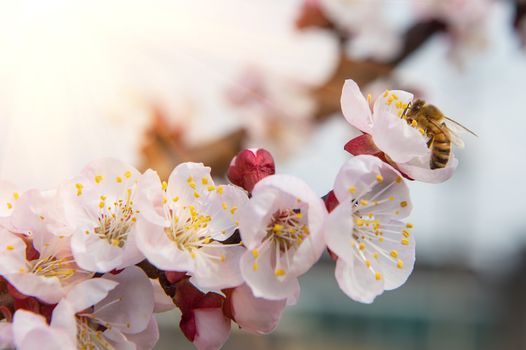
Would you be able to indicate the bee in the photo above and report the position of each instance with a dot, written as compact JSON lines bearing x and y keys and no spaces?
{"x":441,"y":130}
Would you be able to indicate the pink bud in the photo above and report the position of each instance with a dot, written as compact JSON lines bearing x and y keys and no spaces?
{"x":250,"y":166}
{"x":202,"y":319}
{"x":256,"y":315}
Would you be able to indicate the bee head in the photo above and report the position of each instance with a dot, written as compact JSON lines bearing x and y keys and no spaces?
{"x":417,"y":105}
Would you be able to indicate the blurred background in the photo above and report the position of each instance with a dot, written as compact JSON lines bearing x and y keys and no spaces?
{"x":158,"y":82}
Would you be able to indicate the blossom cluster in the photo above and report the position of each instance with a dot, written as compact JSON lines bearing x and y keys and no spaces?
{"x":88,"y":264}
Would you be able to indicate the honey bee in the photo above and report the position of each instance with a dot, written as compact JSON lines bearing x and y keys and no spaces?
{"x":441,"y":130}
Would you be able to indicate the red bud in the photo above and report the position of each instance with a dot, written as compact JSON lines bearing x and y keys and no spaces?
{"x":249,"y":167}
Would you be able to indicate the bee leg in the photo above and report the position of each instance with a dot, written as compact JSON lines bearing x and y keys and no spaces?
{"x":429,"y":142}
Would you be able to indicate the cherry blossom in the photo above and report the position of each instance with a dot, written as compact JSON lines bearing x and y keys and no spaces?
{"x":375,"y":249}
{"x":114,"y":311}
{"x":389,"y":135}
{"x":9,"y":196}
{"x":103,"y":214}
{"x":38,"y":261}
{"x":282,"y":228}
{"x":183,"y":223}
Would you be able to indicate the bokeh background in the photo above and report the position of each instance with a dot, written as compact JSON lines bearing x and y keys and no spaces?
{"x":158,"y":82}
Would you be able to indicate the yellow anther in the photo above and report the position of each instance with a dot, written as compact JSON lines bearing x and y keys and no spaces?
{"x":279,"y":272}
{"x":10,"y":247}
{"x":165,"y":199}
{"x":255,"y":266}
{"x":299,"y":215}
{"x":236,"y":222}
{"x":192,"y":185}
{"x":403,"y":204}
{"x":115,"y":242}
{"x":414,"y":124}
{"x":378,"y":276}
{"x":367,"y":263}
{"x":16,"y":195}
{"x":220,"y":189}
{"x":193,"y":254}
{"x":379,"y":178}
{"x":364,"y":202}
{"x":406,"y":233}
{"x":224,"y":205}
{"x":361,"y":246}
{"x":390,"y":100}
{"x":9,"y":205}
{"x":206,"y":240}
{"x":164,"y":185}
{"x":99,"y":178}
{"x":409,"y":225}
{"x":118,"y":179}
{"x":376,"y":255}
{"x":79,"y":187}
{"x":211,"y":188}
{"x":222,"y":258}
{"x":394,"y":96}
{"x":381,"y":239}
{"x":101,"y":205}
{"x":360,"y":222}
{"x":233,"y":210}
{"x":386,"y":93}
{"x":391,"y":198}
{"x":175,"y":199}
{"x":369,"y":98}
{"x":277,"y":228}
{"x":422,"y":131}
{"x":398,"y":179}
{"x":22,"y":270}
{"x":197,"y":195}
{"x":255,"y":253}
{"x":400,"y":264}
{"x":128,"y":174}
{"x":351,"y":189}
{"x":102,"y":197}
{"x":204,"y":181}
{"x":404,"y":242}
{"x":190,"y":179}
{"x":394,"y":253}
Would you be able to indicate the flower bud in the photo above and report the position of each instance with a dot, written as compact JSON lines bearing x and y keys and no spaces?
{"x":250,"y":166}
{"x":256,"y":315}
{"x":202,"y":319}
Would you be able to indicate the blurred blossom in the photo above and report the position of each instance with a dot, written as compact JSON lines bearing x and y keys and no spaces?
{"x":79,"y":79}
{"x":276,"y":112}
{"x":371,"y":26}
{"x":466,"y":20}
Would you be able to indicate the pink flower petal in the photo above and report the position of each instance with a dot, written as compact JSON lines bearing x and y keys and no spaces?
{"x":213,"y":329}
{"x":253,"y":314}
{"x":355,"y":108}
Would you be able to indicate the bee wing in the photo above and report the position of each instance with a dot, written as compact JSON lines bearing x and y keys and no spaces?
{"x":457,"y":128}
{"x":455,"y":139}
